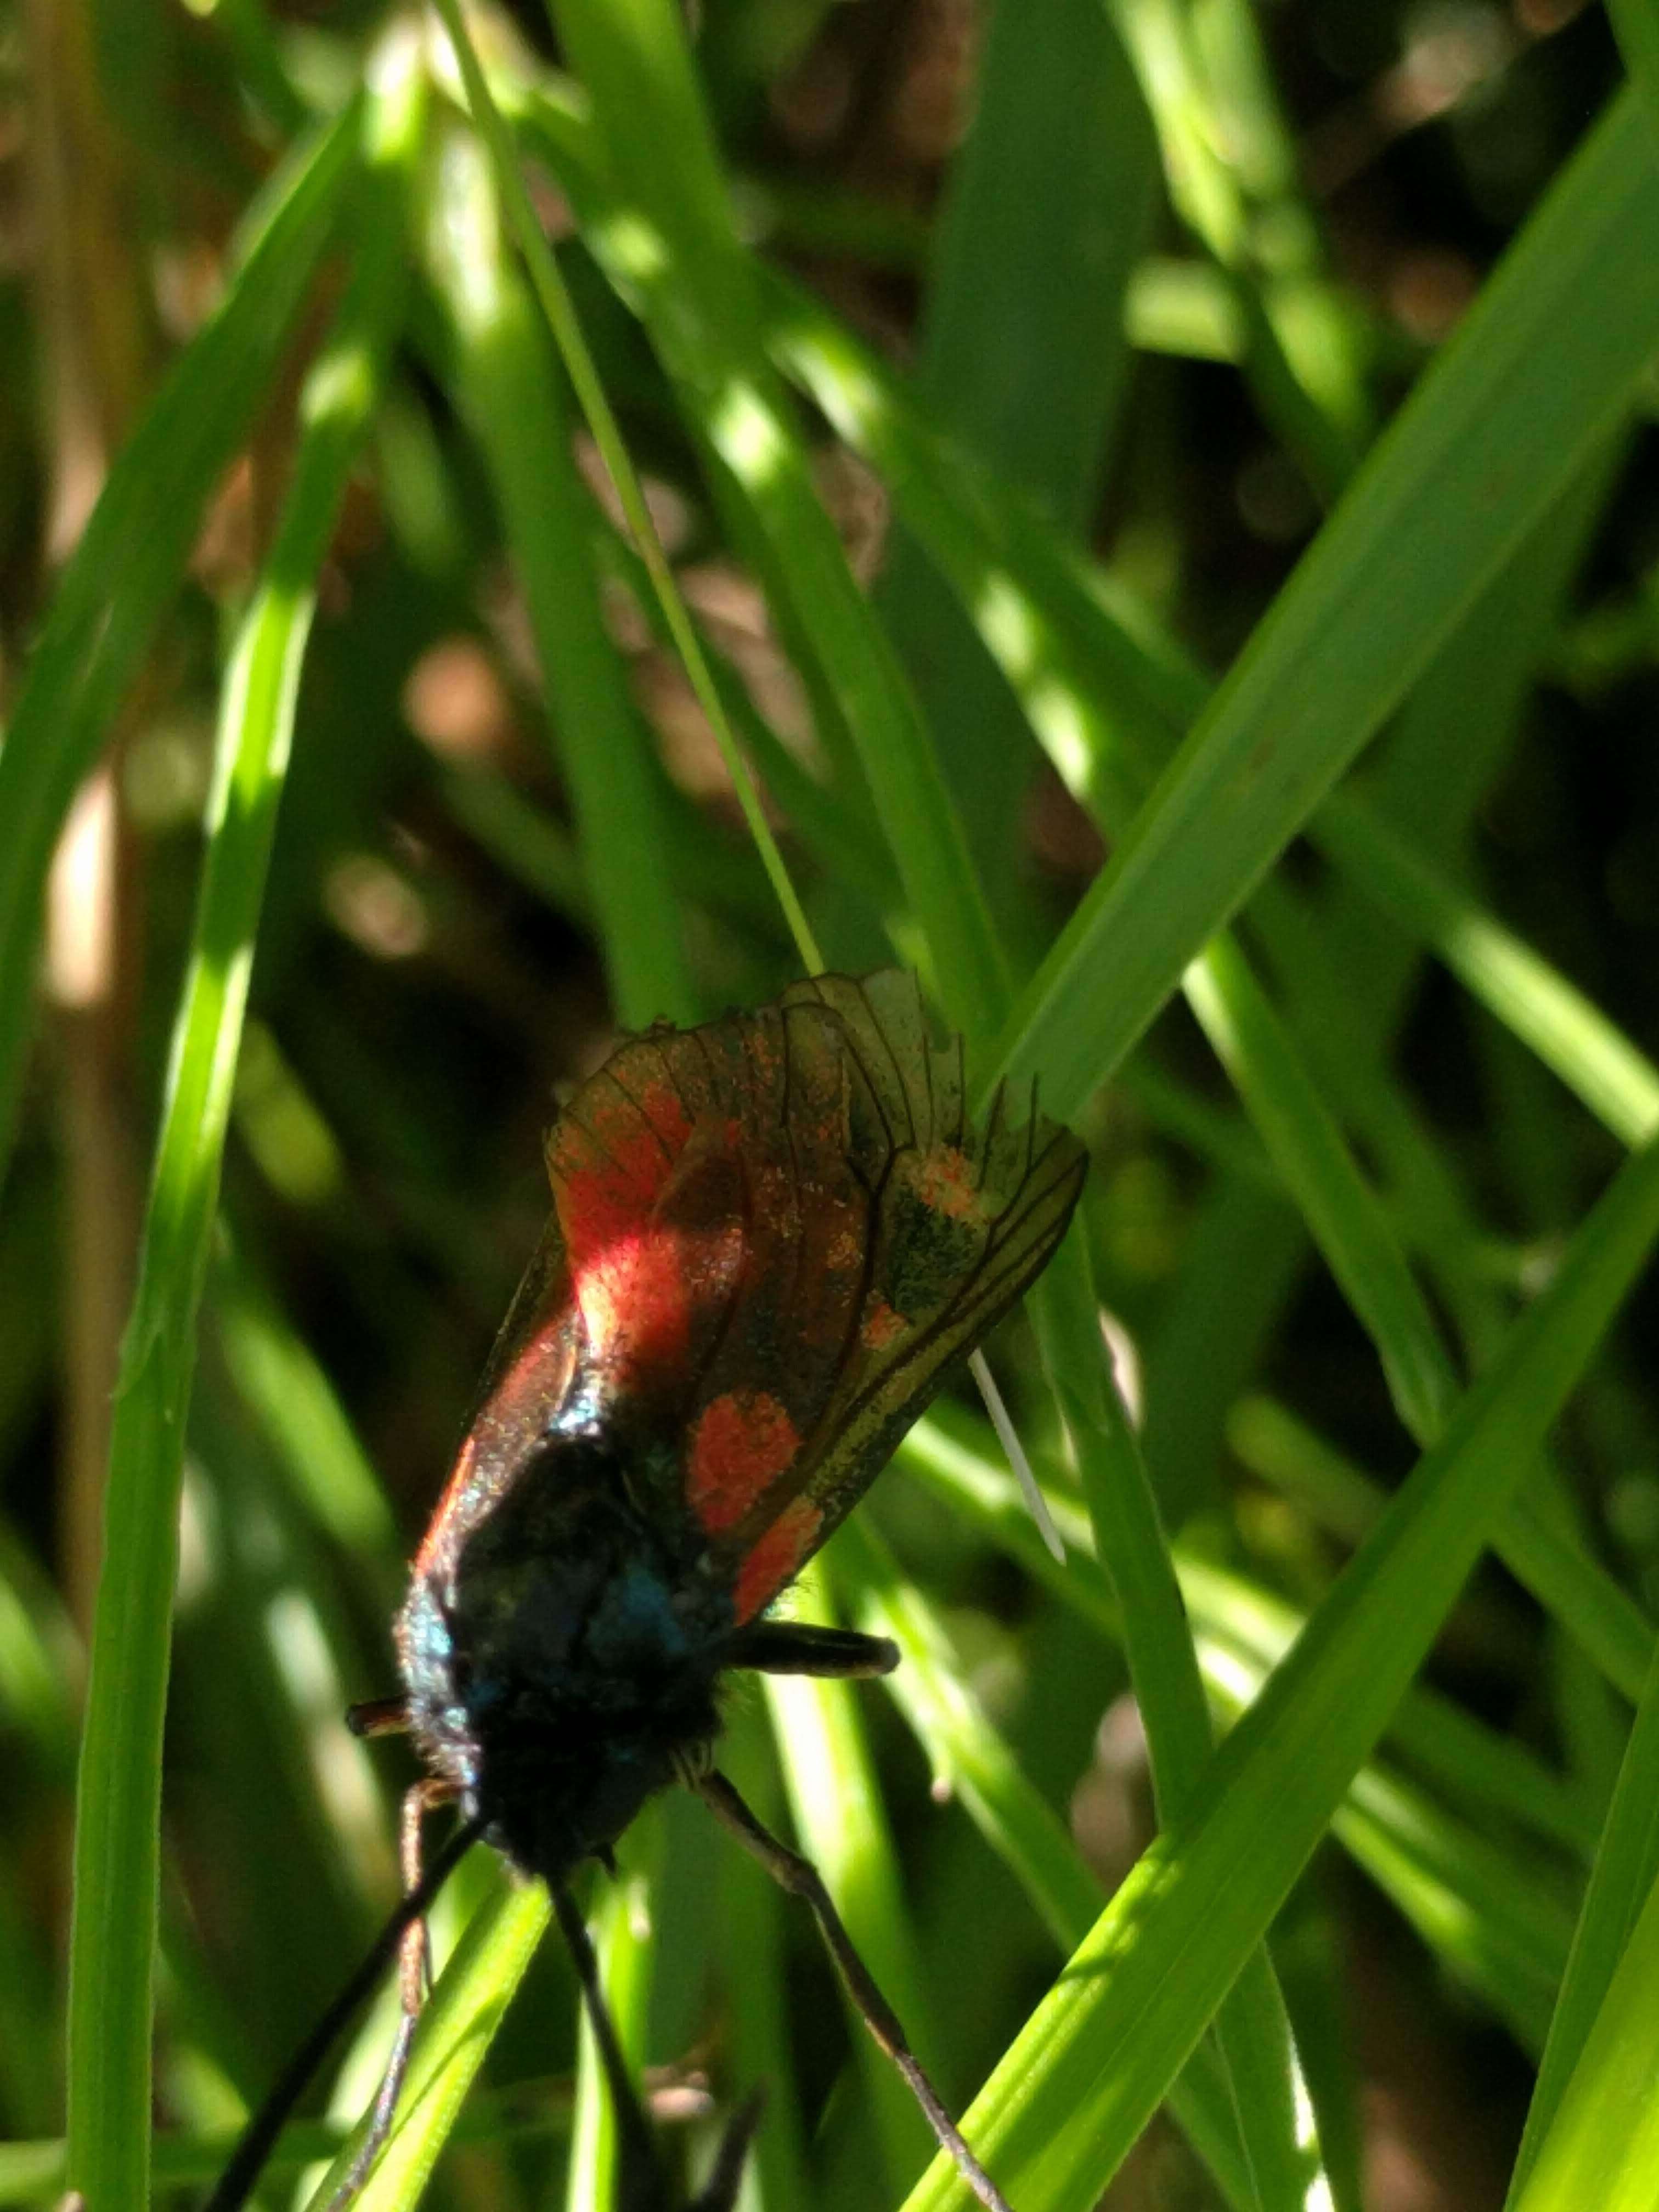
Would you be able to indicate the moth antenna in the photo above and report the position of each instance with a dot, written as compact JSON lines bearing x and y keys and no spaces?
{"x":414,"y":1979}
{"x":640,"y":2183}
{"x":236,"y":2183}
{"x":1008,"y":1437}
{"x":802,"y":1879}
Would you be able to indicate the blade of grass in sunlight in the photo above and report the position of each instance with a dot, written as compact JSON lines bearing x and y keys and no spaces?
{"x":1078,"y":2083}
{"x":555,"y":304}
{"x":1568,"y":1032}
{"x":510,"y":384}
{"x":131,"y":557}
{"x":837,"y":1811}
{"x":116,"y":1850}
{"x":697,"y":294}
{"x":1229,"y":175}
{"x":458,"y":2024}
{"x":970,"y":1759}
{"x":1603,"y":1948}
{"x":1602,"y":2147}
{"x":1548,"y":358}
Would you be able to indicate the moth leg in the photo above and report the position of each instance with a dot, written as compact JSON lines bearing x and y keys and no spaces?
{"x":801,"y":1647}
{"x":236,"y":2184}
{"x":414,"y":1977}
{"x":379,"y":1717}
{"x":640,"y":2180}
{"x":720,"y":2192}
{"x":802,"y":1879}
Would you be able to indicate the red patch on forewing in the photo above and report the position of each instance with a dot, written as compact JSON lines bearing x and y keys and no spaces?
{"x":944,"y":1182}
{"x":455,"y":1489}
{"x":627,"y":1271}
{"x":743,"y":1441}
{"x":775,"y":1557}
{"x":884,"y":1325}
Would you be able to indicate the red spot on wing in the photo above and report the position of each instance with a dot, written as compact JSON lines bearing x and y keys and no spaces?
{"x":515,"y":1412}
{"x":884,"y":1325}
{"x":629,"y":1272}
{"x":945,"y":1181}
{"x":455,"y":1489}
{"x":743,"y":1441}
{"x":786,"y":1543}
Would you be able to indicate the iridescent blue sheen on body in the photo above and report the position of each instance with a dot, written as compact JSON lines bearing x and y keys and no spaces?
{"x":561,"y":1658}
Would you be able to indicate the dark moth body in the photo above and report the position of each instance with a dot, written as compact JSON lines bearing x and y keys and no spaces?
{"x":563,"y":1666}
{"x":770,"y":1237}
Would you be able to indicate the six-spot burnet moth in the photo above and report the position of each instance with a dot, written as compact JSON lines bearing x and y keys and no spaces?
{"x":771,"y":1238}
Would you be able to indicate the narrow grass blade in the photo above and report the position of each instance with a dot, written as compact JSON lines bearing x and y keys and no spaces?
{"x":671,"y":243}
{"x":621,"y":1932}
{"x":557,"y":307}
{"x":1592,"y":1056}
{"x":117,"y":1849}
{"x":132,"y":555}
{"x":511,"y":384}
{"x":969,"y":1756}
{"x":1079,"y":2082}
{"x":1602,"y":2147}
{"x":837,"y":1812}
{"x":458,"y":2025}
{"x":1621,"y":1883}
{"x":1546,"y":360}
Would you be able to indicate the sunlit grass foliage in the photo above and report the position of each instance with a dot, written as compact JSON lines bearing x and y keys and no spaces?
{"x":512,"y":526}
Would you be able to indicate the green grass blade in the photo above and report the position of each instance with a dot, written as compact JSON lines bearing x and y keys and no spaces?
{"x":1626,"y":1868}
{"x":836,"y":1807}
{"x":1544,"y":362}
{"x":458,"y":2024}
{"x":621,"y":1933}
{"x":1591,"y":1054}
{"x":967,"y":1754}
{"x":672,"y":244}
{"x":1636,"y":27}
{"x":1024,"y":355}
{"x":1343,"y":1213}
{"x":557,"y":307}
{"x":131,"y":557}
{"x":511,"y":385}
{"x":1229,"y":175}
{"x":1253,"y":2029}
{"x":1024,"y":352}
{"x":1602,"y":2147}
{"x":117,"y":1850}
{"x":1078,"y":2083}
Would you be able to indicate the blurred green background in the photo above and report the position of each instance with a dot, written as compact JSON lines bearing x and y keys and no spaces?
{"x":988,"y":372}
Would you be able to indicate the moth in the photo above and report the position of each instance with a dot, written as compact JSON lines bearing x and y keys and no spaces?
{"x":771,"y":1237}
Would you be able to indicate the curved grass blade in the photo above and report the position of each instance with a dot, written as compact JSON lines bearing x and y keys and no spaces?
{"x":132,"y":554}
{"x":1544,"y":363}
{"x":1080,"y":2080}
{"x":118,"y":1805}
